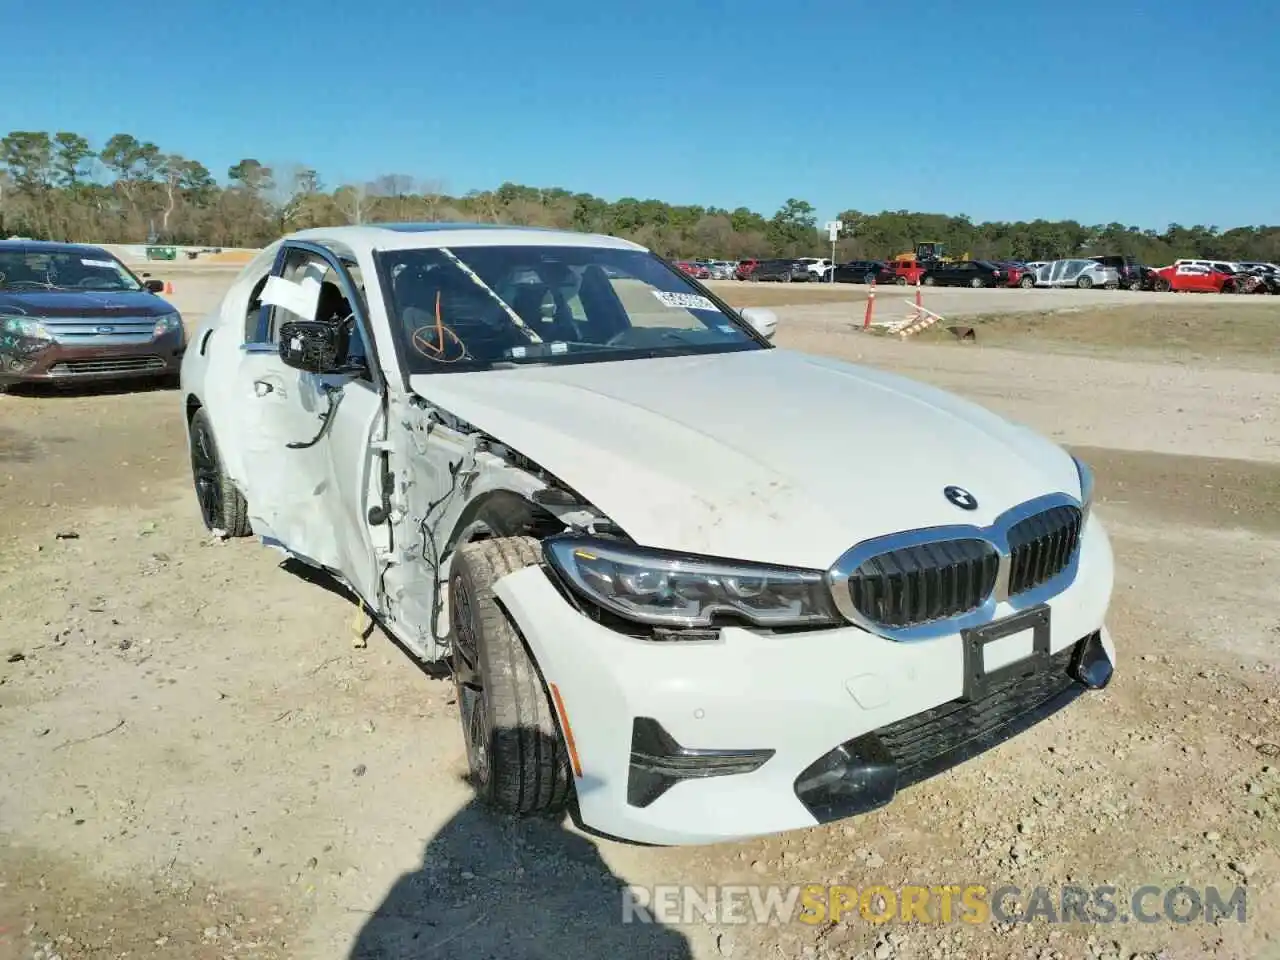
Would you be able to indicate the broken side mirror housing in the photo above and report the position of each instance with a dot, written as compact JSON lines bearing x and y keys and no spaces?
{"x":313,"y":346}
{"x":763,"y":320}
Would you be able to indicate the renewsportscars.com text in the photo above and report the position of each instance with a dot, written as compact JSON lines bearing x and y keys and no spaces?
{"x":941,"y":904}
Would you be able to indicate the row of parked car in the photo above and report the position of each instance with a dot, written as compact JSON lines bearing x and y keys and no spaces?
{"x":1108,"y":272}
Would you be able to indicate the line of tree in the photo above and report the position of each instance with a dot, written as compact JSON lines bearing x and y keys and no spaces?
{"x":57,"y":186}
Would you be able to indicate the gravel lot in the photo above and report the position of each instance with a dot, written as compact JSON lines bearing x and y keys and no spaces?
{"x":204,"y":758}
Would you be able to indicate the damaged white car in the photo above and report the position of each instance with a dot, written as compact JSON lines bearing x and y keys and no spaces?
{"x":691,"y":585}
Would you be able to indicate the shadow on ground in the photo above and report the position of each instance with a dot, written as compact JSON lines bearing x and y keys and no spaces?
{"x":495,"y":887}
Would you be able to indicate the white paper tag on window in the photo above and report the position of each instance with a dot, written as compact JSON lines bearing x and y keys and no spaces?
{"x":300,"y":299}
{"x":108,"y":264}
{"x":688,"y":301}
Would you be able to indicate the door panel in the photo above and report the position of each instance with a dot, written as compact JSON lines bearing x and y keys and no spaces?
{"x":356,"y":470}
{"x":285,"y":487}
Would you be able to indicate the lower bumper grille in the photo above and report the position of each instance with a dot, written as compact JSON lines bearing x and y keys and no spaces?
{"x":102,"y":367}
{"x":866,"y":772}
{"x":917,"y":742}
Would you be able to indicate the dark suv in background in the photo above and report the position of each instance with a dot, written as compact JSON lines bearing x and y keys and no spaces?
{"x":863,"y":271}
{"x":1133,"y":274}
{"x":785,"y":271}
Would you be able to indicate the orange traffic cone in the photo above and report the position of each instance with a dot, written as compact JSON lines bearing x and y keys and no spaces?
{"x":168,"y":286}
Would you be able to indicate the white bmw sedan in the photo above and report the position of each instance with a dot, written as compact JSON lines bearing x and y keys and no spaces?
{"x":692,"y":586}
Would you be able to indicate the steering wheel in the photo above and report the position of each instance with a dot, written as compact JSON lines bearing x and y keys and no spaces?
{"x":436,"y":342}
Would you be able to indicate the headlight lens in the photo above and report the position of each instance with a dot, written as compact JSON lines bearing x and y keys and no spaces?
{"x":1086,"y":486}
{"x":653,"y":587}
{"x":169,"y":323}
{"x":24,"y":327}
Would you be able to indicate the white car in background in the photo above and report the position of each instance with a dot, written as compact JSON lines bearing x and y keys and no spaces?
{"x":817,"y":266}
{"x":691,"y":586}
{"x":1077,"y":273}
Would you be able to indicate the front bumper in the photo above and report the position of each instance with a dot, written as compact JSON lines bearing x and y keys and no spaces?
{"x":805,"y":722}
{"x":29,"y":360}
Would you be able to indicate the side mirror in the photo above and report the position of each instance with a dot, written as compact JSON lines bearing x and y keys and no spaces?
{"x":762,"y":320}
{"x":154,"y":286}
{"x":313,"y":346}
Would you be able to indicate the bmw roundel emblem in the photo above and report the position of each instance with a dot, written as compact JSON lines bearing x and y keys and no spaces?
{"x":961,"y":497}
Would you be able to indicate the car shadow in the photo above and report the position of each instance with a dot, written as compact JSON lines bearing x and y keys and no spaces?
{"x":495,"y":886}
{"x":90,"y":388}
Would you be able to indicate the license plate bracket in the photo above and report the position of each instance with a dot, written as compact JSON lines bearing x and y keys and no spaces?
{"x":978,"y":682}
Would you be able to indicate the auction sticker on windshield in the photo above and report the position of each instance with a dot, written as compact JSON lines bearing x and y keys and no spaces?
{"x":99,"y":263}
{"x":688,"y":301}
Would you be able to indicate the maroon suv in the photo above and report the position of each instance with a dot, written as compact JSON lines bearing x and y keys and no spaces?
{"x":70,"y":312}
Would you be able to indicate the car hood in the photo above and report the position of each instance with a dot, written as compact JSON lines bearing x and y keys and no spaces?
{"x":51,"y":304}
{"x":766,"y":455}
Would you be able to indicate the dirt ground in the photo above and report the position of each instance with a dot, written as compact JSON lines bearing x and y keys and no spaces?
{"x":201,"y":761}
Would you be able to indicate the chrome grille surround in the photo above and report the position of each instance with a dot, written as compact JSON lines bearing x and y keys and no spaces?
{"x":997,"y":535}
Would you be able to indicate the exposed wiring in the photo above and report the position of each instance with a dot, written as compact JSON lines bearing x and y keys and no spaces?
{"x":335,"y":396}
{"x":428,"y":539}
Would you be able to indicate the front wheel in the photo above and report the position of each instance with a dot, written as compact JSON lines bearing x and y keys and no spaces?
{"x":515,"y":752}
{"x":222,"y":508}
{"x":1161,"y":285}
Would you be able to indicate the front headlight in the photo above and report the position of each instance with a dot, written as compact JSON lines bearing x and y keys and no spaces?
{"x":169,"y":323}
{"x":1086,"y":487}
{"x":24,"y":327}
{"x":650,"y":586}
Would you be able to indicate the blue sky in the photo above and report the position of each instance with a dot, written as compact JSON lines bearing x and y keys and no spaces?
{"x":1089,"y":110}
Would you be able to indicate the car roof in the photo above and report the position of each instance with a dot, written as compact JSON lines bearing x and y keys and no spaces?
{"x":52,"y":246}
{"x":413,"y":236}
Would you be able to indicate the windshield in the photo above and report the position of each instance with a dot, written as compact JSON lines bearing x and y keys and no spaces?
{"x":475,"y":308}
{"x":64,"y":270}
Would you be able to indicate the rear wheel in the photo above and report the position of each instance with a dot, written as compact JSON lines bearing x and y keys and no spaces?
{"x":514,"y":749}
{"x":975,"y":282}
{"x":222,"y":508}
{"x":1135,"y":285}
{"x":1084,"y":283}
{"x":927,"y":281}
{"x":869,"y":278}
{"x":1027,"y":282}
{"x":901,"y":281}
{"x":1161,"y":285}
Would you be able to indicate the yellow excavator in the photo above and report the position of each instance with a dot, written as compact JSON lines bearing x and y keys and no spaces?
{"x":930,"y":251}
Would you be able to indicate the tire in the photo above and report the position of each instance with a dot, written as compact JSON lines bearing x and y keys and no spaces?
{"x":869,"y":278}
{"x":1135,"y":285}
{"x":976,"y":282}
{"x":222,"y":508}
{"x":1161,"y":285}
{"x":927,"y":280}
{"x":514,"y":749}
{"x":786,"y":277}
{"x":901,"y":281}
{"x":1027,"y":282}
{"x":1085,"y":283}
